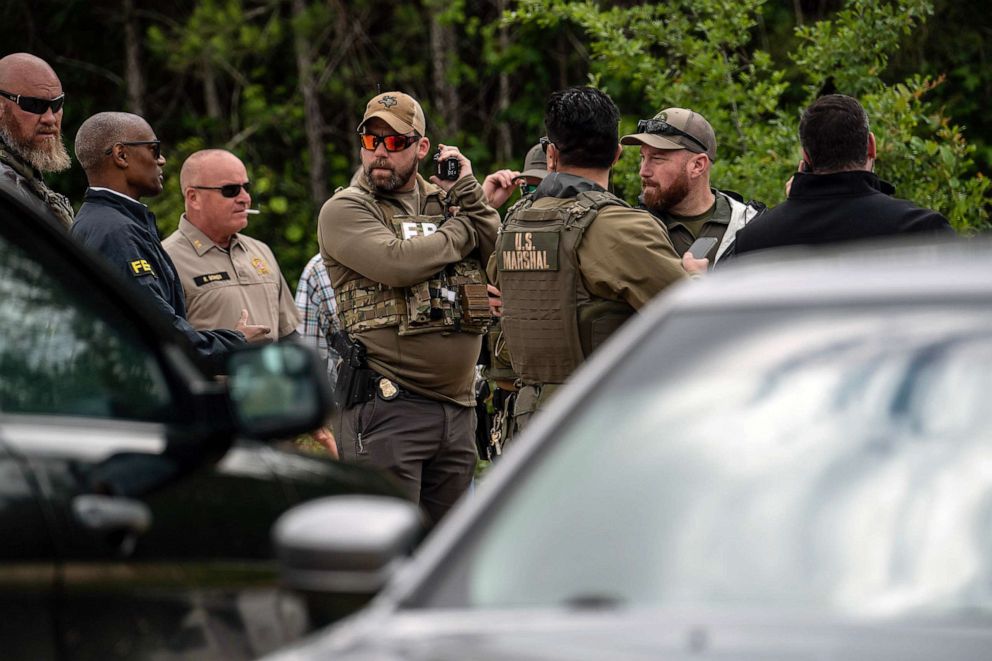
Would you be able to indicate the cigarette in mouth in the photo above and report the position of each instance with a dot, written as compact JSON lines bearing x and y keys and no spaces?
{"x":252,"y":211}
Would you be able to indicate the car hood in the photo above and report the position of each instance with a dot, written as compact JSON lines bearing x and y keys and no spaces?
{"x":636,"y":634}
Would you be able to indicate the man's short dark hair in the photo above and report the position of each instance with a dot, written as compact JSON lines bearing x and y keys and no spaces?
{"x":834,"y":133}
{"x":582,"y":123}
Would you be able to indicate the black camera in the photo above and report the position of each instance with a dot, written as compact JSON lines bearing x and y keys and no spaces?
{"x":446,"y":168}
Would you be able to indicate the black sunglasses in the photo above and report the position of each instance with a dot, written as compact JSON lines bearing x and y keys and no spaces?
{"x":228,"y":190}
{"x":156,"y":146}
{"x":545,"y":141}
{"x":392,"y":142}
{"x":33,"y":104}
{"x":525,"y":188}
{"x":661,"y":127}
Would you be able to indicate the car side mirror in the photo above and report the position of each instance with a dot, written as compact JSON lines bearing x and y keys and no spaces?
{"x":339,"y":551}
{"x":277,"y":390}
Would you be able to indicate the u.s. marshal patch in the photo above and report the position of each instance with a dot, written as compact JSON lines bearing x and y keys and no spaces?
{"x":529,"y":251}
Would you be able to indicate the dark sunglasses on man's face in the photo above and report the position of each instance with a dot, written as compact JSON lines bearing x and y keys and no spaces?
{"x":228,"y":190}
{"x":155,"y":145}
{"x":33,"y":104}
{"x":392,"y":142}
{"x":661,"y":127}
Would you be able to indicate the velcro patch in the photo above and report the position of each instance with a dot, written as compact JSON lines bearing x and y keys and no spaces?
{"x":206,"y":279}
{"x":141,"y":267}
{"x":529,"y":251}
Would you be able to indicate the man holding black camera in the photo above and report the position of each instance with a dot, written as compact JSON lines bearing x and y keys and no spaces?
{"x":405,"y":260}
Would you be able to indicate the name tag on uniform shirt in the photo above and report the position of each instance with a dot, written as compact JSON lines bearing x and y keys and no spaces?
{"x":206,"y":279}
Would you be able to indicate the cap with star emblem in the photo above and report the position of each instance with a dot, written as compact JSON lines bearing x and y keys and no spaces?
{"x":401,"y":111}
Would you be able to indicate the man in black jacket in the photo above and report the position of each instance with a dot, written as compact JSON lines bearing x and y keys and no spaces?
{"x":835,"y":196}
{"x":123,"y":162}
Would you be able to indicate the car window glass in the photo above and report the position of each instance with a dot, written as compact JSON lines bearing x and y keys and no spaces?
{"x":57,"y":356}
{"x":837,"y":460}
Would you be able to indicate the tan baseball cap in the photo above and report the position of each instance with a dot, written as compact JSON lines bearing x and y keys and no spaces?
{"x":401,"y":111}
{"x":536,"y":163}
{"x":675,"y":128}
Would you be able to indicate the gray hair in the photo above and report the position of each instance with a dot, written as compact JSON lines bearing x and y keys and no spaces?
{"x":101,"y":132}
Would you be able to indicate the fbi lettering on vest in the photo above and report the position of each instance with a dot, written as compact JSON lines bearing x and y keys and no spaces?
{"x":529,"y":251}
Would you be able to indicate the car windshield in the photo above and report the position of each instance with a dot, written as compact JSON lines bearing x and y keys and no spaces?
{"x":838,"y":460}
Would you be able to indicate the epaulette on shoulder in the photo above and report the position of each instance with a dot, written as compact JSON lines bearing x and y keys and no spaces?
{"x":524,"y":202}
{"x":595,"y":199}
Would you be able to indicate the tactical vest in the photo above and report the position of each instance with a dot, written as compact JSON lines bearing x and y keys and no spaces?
{"x":550,"y":321}
{"x":454,"y":300}
{"x":56,"y":202}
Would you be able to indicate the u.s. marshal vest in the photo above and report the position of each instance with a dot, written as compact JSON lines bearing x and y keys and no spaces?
{"x":551,"y":323}
{"x":454,"y":300}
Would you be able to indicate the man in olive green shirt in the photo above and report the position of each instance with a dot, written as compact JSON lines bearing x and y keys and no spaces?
{"x":222,"y":271}
{"x":403,"y":255}
{"x":574,"y":261}
{"x":678,"y":149}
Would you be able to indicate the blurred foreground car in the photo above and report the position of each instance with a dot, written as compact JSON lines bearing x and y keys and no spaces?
{"x":131,"y":525}
{"x":786,"y":461}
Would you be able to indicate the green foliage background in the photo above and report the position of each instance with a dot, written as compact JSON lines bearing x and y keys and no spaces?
{"x":225,"y":73}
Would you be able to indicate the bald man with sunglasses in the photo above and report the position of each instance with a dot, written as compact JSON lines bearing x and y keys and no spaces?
{"x":123,"y":161}
{"x":222,"y":270}
{"x":31,"y":143}
{"x":405,"y":260}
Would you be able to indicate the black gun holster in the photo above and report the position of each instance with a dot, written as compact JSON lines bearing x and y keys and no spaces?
{"x":356,"y":381}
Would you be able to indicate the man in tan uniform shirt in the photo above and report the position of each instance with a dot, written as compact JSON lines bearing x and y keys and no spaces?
{"x":222,"y":271}
{"x":400,"y":251}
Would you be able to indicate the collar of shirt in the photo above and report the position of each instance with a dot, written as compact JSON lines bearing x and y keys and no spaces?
{"x":126,"y":197}
{"x":201,"y":243}
{"x":563,"y":185}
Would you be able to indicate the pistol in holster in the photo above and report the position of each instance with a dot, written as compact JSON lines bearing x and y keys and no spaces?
{"x":356,"y":381}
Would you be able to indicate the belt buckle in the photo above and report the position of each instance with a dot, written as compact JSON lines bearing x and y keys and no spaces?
{"x":387,"y":389}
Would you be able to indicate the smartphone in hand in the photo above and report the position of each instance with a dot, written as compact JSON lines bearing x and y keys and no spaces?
{"x":702,"y":246}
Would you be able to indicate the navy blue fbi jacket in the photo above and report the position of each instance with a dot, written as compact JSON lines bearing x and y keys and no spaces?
{"x":124,"y":233}
{"x":844,"y":206}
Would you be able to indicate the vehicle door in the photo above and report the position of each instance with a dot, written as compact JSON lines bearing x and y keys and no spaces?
{"x":159,"y":549}
{"x":27,"y":565}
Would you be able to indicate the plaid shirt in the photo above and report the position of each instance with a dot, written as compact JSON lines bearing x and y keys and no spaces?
{"x":318,"y":313}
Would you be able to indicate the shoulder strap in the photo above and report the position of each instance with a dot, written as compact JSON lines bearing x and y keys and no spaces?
{"x":588,"y":204}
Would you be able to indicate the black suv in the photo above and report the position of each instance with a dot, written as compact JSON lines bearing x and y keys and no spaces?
{"x":132,"y":524}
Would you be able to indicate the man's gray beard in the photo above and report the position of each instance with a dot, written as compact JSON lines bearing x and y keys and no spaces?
{"x":395,"y":180}
{"x":54,"y":158}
